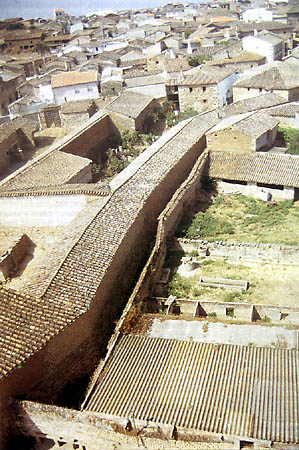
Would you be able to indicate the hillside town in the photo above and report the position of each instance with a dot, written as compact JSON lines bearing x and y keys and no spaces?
{"x":149,"y":228}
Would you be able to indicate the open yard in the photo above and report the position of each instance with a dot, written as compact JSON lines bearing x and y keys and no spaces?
{"x":273,"y":284}
{"x":237,"y":218}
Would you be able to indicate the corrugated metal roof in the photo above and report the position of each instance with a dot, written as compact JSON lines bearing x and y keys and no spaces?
{"x":72,"y":78}
{"x":242,"y":391}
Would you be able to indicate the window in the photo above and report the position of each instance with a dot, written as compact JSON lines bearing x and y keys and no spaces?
{"x":77,"y":91}
{"x":204,"y":89}
{"x":270,"y":186}
{"x":248,"y":89}
{"x":205,"y":100}
{"x":230,"y":312}
{"x":243,"y":183}
{"x":89,"y":88}
{"x":260,"y":89}
{"x":190,"y":89}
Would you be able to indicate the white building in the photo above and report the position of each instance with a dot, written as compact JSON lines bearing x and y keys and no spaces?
{"x":70,"y":86}
{"x":257,"y":15}
{"x":267,"y":44}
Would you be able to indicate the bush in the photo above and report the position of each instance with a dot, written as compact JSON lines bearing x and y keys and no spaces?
{"x":179,"y":286}
{"x":291,"y":137}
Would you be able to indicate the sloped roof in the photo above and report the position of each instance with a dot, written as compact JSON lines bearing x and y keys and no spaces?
{"x":130,"y":104}
{"x":253,"y":124}
{"x":73,"y":78}
{"x":254,"y":103}
{"x":220,"y":388}
{"x":269,"y":37}
{"x":204,"y":75}
{"x":244,"y":56}
{"x":255,"y":167}
{"x":71,"y":291}
{"x":273,"y":76}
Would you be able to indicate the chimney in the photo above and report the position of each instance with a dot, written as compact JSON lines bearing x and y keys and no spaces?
{"x":255,"y":32}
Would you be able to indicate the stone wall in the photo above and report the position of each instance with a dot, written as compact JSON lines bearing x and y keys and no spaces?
{"x":283,"y":253}
{"x":200,"y":98}
{"x":6,"y":146}
{"x":92,"y":139}
{"x":50,"y":117}
{"x":84,"y":429}
{"x":230,"y":311}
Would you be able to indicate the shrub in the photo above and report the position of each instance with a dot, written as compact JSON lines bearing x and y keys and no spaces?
{"x":207,"y":225}
{"x":212,"y":314}
{"x":179,"y":286}
{"x":291,"y":137}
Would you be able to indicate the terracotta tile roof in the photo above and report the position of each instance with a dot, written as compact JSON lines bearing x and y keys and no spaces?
{"x":269,"y":37}
{"x":53,"y":169}
{"x":273,"y":76}
{"x":244,"y":56}
{"x":130,"y":104}
{"x":72,"y":288}
{"x":287,"y":110}
{"x":253,"y":124}
{"x":266,"y":168}
{"x":26,"y":324}
{"x":252,"y":104}
{"x":73,"y":78}
{"x":204,"y":75}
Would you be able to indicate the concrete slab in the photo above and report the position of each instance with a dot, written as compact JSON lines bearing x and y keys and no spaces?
{"x":221,"y":333}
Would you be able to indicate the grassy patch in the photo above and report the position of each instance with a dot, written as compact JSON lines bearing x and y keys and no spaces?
{"x":244,"y":219}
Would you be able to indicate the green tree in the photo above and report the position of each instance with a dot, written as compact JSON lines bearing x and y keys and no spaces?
{"x":197,"y":60}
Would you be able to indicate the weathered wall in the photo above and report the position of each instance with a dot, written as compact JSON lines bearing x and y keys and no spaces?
{"x":286,"y":253}
{"x":6,"y":146}
{"x":241,"y":93}
{"x":86,"y":428}
{"x":252,"y":190}
{"x":92,"y":140}
{"x":50,"y":117}
{"x":200,"y":98}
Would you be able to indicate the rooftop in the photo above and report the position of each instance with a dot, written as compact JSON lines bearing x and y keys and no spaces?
{"x":129,"y":104}
{"x":73,"y":78}
{"x":68,"y":287}
{"x":204,"y":75}
{"x":215,"y":388}
{"x":252,"y":123}
{"x":259,"y":167}
{"x":273,"y":76}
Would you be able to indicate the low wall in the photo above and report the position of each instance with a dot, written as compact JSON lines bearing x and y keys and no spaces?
{"x":83,"y":429}
{"x":252,"y":190}
{"x":228,"y":310}
{"x":285,"y":253}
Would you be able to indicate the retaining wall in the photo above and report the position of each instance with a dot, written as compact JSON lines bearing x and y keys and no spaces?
{"x":285,"y":253}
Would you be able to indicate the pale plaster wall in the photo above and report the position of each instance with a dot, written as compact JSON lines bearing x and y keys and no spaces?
{"x":78,"y":92}
{"x":252,"y":190}
{"x":43,"y":211}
